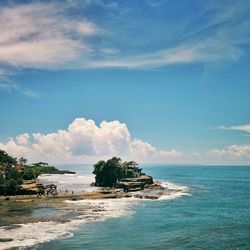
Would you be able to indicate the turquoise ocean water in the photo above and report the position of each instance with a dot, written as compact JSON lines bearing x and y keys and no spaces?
{"x":215,"y":214}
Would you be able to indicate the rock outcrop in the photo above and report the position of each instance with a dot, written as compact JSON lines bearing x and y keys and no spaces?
{"x":146,"y":179}
{"x":31,"y":187}
{"x":135,"y":184}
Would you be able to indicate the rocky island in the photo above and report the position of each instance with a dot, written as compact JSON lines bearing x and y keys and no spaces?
{"x":124,"y":177}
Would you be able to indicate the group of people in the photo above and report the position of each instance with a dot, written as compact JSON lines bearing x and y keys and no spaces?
{"x":72,"y":192}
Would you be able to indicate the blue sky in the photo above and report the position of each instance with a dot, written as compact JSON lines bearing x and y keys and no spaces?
{"x":171,"y":78}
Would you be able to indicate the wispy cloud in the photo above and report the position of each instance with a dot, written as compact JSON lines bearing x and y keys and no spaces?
{"x":216,"y":39}
{"x":15,"y":88}
{"x":245,"y":128}
{"x":206,"y":51}
{"x":45,"y":35}
{"x":235,"y":151}
{"x":42,"y":36}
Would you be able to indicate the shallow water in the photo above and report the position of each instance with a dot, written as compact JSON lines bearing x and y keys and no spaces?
{"x":214,"y":213}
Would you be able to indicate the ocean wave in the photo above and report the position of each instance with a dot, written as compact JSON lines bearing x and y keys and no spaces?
{"x":108,"y":208}
{"x":174,"y":191}
{"x":30,"y":234}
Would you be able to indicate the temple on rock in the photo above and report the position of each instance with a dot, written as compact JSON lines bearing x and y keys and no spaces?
{"x":118,"y":174}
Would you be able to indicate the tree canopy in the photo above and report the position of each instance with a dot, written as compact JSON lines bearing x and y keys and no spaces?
{"x":5,"y":158}
{"x":107,"y":173}
{"x":13,"y":172}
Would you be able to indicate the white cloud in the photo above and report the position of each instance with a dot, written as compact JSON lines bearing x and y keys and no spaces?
{"x":217,"y":39}
{"x":14,"y":148}
{"x":196,"y":155}
{"x":206,"y":51}
{"x":245,"y":128}
{"x":84,"y":141}
{"x":40,"y":35}
{"x":44,"y":35}
{"x":143,"y":151}
{"x":22,"y":139}
{"x":232,"y":152}
{"x":236,"y":153}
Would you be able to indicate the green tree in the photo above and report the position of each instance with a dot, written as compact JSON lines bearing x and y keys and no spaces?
{"x":11,"y":187}
{"x":11,"y":173}
{"x":5,"y":158}
{"x":109,"y":172}
{"x":19,"y":181}
{"x":29,"y":173}
{"x":99,"y":173}
{"x":2,"y":180}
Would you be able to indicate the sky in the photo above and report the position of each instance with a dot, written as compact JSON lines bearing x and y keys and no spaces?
{"x":156,"y":81}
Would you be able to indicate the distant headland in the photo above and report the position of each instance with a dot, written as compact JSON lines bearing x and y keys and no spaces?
{"x":19,"y":178}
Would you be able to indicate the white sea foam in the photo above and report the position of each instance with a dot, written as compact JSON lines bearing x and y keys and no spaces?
{"x":174,"y":191}
{"x":108,"y":208}
{"x":31,"y":234}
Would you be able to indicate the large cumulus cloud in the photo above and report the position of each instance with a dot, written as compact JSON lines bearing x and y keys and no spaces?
{"x":85,"y":141}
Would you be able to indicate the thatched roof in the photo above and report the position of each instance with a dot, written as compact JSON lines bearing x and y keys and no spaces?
{"x":132,"y":163}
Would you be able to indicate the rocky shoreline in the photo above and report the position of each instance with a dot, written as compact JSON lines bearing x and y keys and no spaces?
{"x":151,"y":191}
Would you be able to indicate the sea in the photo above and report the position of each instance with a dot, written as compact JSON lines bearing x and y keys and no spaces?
{"x":208,"y":208}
